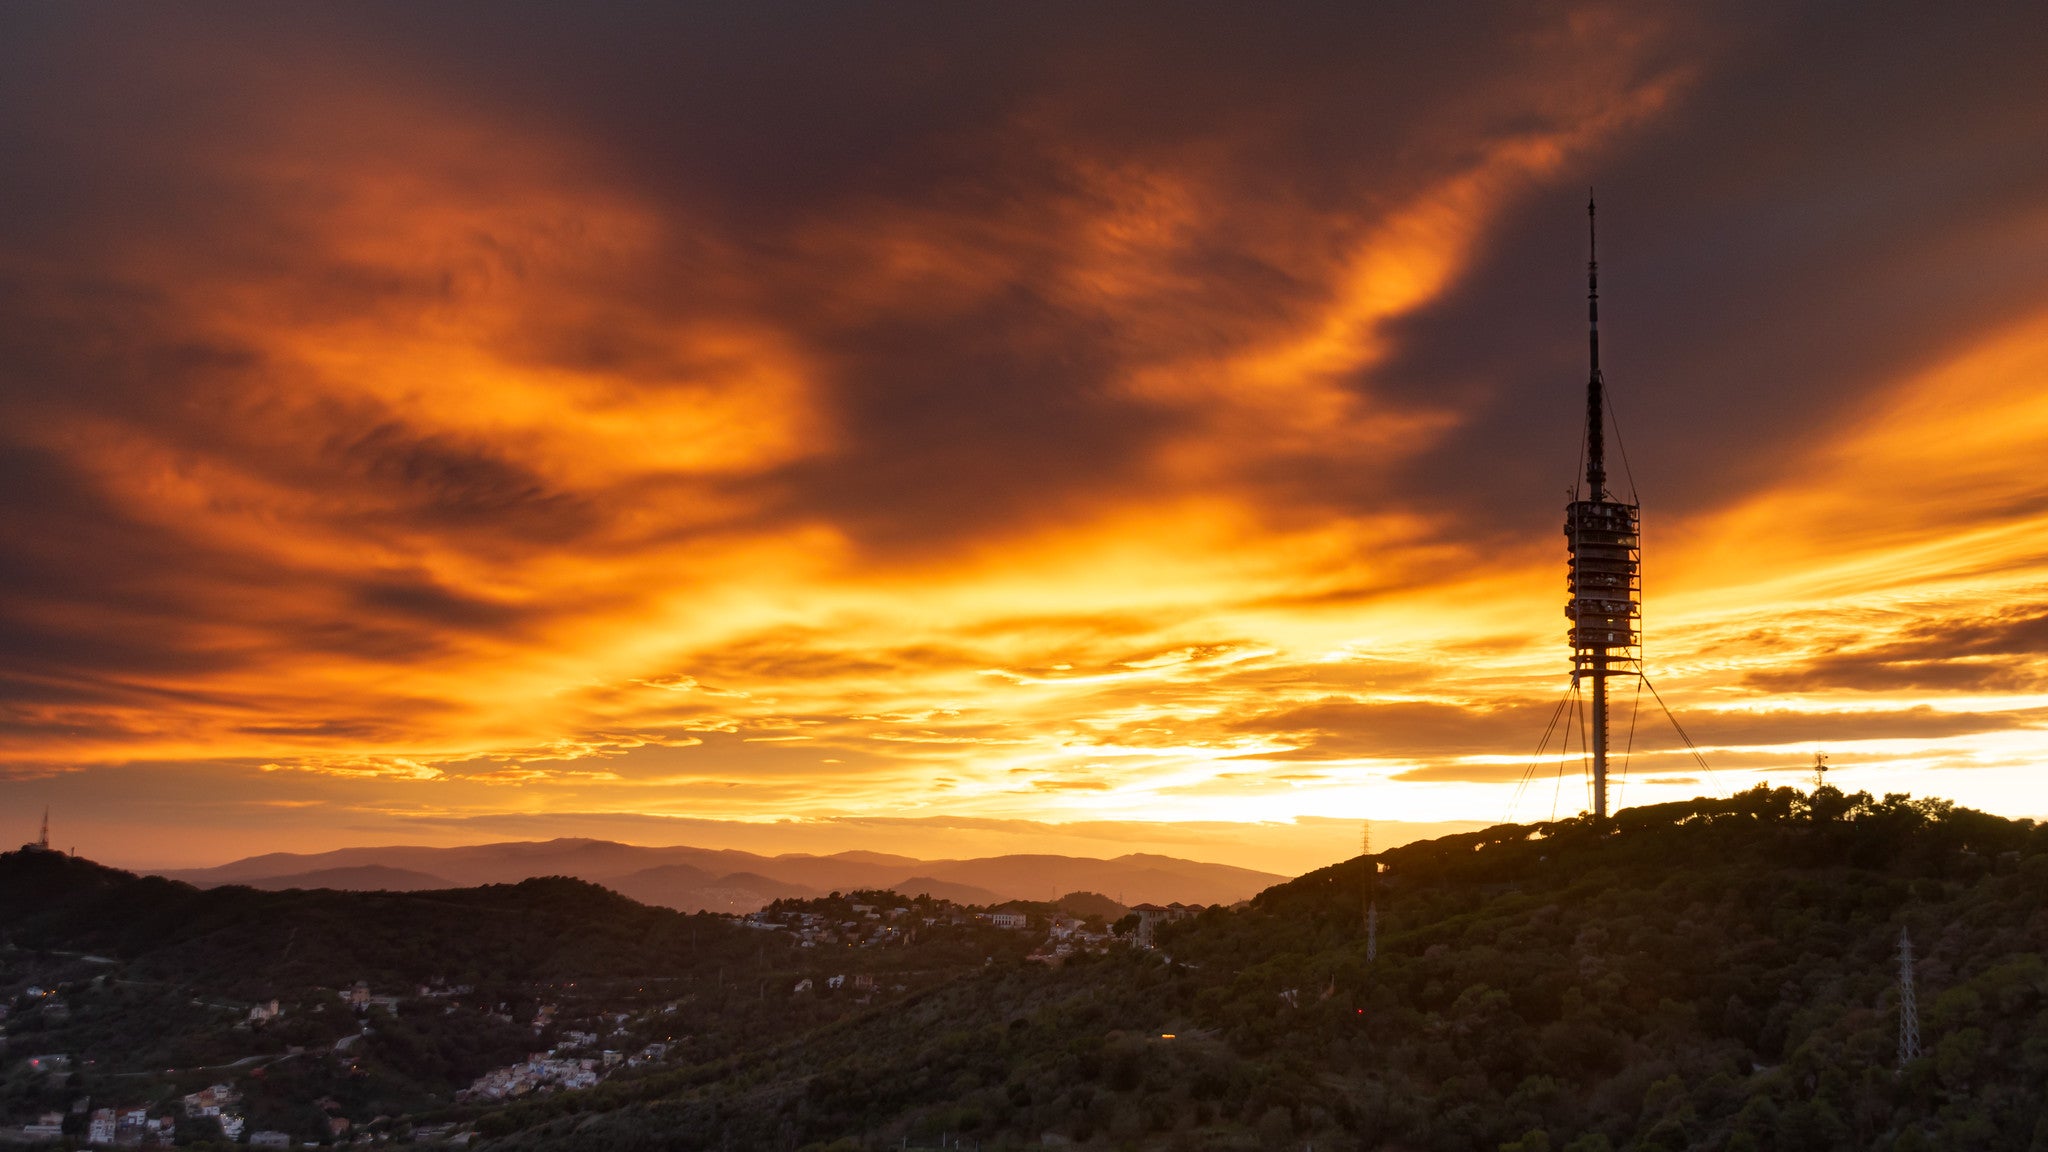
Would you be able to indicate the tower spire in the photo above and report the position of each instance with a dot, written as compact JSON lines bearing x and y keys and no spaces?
{"x":1596,"y":438}
{"x":43,"y":841}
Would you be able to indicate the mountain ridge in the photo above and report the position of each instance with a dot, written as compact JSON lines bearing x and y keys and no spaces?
{"x":690,"y":879}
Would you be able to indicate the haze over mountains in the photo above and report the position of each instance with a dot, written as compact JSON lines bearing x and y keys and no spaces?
{"x":727,"y":880}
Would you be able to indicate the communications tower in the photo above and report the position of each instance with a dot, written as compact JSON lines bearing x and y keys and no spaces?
{"x":1604,"y":584}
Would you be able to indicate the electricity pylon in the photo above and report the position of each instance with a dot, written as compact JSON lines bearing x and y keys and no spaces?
{"x":1909,"y":1008}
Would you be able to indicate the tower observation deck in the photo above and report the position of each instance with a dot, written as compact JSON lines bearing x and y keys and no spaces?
{"x":1604,"y":577}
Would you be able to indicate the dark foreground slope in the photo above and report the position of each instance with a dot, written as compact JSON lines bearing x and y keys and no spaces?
{"x":375,"y":1010}
{"x":1719,"y":974}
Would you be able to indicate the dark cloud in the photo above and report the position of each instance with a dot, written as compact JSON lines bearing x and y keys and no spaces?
{"x":984,"y":394}
{"x":298,"y":308}
{"x":1340,"y":729}
{"x":1826,"y":204}
{"x":442,"y":484}
{"x":1995,"y":652}
{"x":421,"y":600}
{"x":795,"y":654}
{"x":1864,"y":672}
{"x":1778,"y":726}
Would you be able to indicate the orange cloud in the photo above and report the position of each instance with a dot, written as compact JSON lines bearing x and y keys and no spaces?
{"x":1144,"y":436}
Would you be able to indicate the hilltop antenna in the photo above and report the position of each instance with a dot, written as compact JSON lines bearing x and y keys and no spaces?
{"x":1372,"y":891}
{"x":1605,"y":582}
{"x":1820,"y":771}
{"x":43,"y":841}
{"x":1909,"y":1008}
{"x":1365,"y":858}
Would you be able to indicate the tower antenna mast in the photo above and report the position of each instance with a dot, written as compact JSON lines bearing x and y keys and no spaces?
{"x":1605,"y":584}
{"x":43,"y":841}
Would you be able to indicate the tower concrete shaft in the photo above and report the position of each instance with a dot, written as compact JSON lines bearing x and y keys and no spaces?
{"x":1600,"y":737}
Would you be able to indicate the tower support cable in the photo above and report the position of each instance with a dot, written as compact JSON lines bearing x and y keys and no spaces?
{"x":1536,"y":760}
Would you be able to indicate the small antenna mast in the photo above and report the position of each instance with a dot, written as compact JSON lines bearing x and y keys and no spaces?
{"x":1372,"y":892}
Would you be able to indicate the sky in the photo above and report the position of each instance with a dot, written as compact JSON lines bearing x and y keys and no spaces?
{"x":957,"y":429}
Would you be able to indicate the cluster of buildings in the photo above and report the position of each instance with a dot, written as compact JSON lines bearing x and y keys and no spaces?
{"x":133,"y":1127}
{"x":863,"y":983}
{"x":557,"y":1068}
{"x":222,"y":1102}
{"x":872,"y":925}
{"x":541,"y":1072}
{"x":1150,"y":916}
{"x":1067,"y":935}
{"x":869,"y":926}
{"x":129,"y":1127}
{"x":360,"y":997}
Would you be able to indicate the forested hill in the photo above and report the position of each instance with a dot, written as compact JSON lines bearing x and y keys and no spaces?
{"x":1720,"y":974}
{"x":248,"y":943}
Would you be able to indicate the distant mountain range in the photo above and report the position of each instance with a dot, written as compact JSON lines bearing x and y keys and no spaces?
{"x":726,"y":880}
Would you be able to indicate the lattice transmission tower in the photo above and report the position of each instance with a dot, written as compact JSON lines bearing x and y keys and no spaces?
{"x":1909,"y":1007}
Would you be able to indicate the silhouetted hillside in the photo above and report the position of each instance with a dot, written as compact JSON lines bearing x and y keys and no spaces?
{"x":319,"y":1003}
{"x":1719,"y":974}
{"x":948,"y":890}
{"x":242,"y":941}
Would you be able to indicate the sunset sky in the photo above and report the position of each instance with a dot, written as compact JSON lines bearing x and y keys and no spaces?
{"x":807,"y":427}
